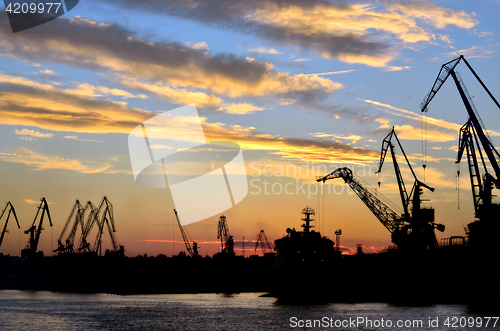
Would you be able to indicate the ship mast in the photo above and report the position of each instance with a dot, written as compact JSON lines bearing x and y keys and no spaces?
{"x":308,"y":211}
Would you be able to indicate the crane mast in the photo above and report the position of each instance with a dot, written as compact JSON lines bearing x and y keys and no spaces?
{"x":12,"y":211}
{"x":34,"y":231}
{"x":226,"y":240}
{"x":264,"y":243}
{"x":108,"y":220}
{"x":415,"y":193}
{"x":83,"y":245}
{"x":420,"y":229}
{"x":192,"y":251}
{"x":76,"y":216}
{"x":386,"y":144}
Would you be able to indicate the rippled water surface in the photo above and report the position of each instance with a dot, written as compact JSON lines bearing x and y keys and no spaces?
{"x":20,"y":310}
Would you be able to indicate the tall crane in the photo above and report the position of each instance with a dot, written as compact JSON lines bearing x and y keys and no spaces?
{"x":12,"y":211}
{"x":83,"y":245}
{"x":264,"y":243}
{"x":35,"y":231}
{"x":474,"y":141}
{"x":398,"y":227}
{"x":75,"y":217}
{"x":192,"y":250}
{"x":107,"y":219}
{"x":421,"y":225}
{"x":226,"y":240}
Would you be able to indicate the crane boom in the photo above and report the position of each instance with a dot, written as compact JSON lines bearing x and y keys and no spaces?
{"x":11,"y":211}
{"x":190,"y":249}
{"x":415,"y":233}
{"x":443,"y":75}
{"x":388,"y":217}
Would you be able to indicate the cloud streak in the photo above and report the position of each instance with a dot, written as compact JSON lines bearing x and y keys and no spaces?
{"x":351,"y":32}
{"x":60,"y":111}
{"x":170,"y":69}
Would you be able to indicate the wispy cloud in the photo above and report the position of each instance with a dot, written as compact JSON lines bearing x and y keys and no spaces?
{"x":81,"y":139}
{"x":32,"y":133}
{"x":475,"y":52}
{"x":332,"y":73}
{"x":264,"y":50}
{"x":437,"y":129}
{"x":40,"y":162}
{"x":352,"y":137}
{"x":88,"y":90}
{"x":31,"y":202}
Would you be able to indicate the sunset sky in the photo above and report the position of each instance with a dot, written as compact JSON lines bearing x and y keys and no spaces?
{"x":299,"y":85}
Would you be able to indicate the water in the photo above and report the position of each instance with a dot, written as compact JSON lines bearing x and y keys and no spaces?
{"x":23,"y":310}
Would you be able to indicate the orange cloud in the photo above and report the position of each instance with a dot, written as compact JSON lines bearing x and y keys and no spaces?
{"x":400,"y":20}
{"x":23,"y":82}
{"x":59,"y":111}
{"x":241,"y":108}
{"x":88,"y":90}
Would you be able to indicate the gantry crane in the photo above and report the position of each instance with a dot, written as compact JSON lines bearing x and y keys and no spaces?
{"x":419,"y":230}
{"x":11,"y":211}
{"x":393,"y":222}
{"x":108,"y":220}
{"x":264,"y":243}
{"x":192,"y":250}
{"x":75,"y":217}
{"x":473,"y":140}
{"x":83,"y":245}
{"x":226,"y":240}
{"x":34,"y":231}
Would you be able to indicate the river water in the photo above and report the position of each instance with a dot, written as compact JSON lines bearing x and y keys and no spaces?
{"x":25,"y":310}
